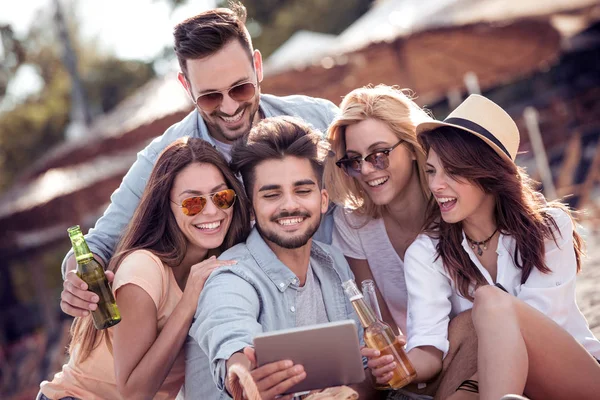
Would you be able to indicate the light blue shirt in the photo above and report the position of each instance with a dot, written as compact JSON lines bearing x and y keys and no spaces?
{"x":255,"y":295}
{"x":103,"y":238}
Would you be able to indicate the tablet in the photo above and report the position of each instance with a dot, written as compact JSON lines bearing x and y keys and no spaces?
{"x":330,"y":353}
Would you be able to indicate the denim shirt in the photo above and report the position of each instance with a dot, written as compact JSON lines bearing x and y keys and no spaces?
{"x":103,"y":238}
{"x":255,"y":295}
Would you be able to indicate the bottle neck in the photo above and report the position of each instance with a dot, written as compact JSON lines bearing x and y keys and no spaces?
{"x":365,"y":314}
{"x":81,"y":249}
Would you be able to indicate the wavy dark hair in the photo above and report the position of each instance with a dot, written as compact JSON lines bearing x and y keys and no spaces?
{"x":153,"y":226}
{"x":520,"y":211}
{"x":208,"y":32}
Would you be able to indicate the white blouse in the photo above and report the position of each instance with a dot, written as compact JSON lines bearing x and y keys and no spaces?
{"x":433,"y":298}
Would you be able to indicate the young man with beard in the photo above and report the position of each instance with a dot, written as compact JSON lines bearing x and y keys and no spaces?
{"x":283,"y":278}
{"x":221,"y":72}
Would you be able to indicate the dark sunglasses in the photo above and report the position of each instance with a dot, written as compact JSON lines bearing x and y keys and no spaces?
{"x":223,"y":199}
{"x":242,"y":92}
{"x":378,"y":159}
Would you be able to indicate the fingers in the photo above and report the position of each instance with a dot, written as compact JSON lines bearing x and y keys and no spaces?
{"x":251,"y":354}
{"x":75,"y":299}
{"x":369,"y":352}
{"x":401,"y":339}
{"x":110,"y":276}
{"x":275,"y":378}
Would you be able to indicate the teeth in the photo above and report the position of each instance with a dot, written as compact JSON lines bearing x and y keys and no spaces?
{"x":290,"y":221}
{"x":235,"y":118}
{"x":210,"y":225}
{"x":445,"y":199}
{"x":377,"y":182}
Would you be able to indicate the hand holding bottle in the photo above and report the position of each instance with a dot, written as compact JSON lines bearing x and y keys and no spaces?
{"x":382,"y":367}
{"x":75,"y":299}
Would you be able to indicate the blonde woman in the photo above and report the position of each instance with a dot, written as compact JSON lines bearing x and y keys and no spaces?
{"x":377,"y":177}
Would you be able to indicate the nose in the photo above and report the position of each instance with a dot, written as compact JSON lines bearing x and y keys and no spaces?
{"x":436,"y":182}
{"x":289,"y":202}
{"x":210,"y":208}
{"x":229,"y":106}
{"x":366,"y":167}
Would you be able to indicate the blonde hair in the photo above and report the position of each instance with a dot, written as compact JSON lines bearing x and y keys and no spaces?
{"x":390,"y":105}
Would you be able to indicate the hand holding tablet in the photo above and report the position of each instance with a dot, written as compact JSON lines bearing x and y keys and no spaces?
{"x":329,"y":353}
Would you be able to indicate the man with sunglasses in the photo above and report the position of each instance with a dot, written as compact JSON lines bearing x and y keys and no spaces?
{"x":283,"y":278}
{"x":221,"y":72}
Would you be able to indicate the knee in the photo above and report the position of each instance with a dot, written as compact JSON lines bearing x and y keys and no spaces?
{"x":491,"y":304}
{"x":461,"y":330}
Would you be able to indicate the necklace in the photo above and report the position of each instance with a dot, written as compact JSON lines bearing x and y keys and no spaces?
{"x":481,"y":244}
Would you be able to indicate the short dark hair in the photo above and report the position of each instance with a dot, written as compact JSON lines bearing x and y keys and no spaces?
{"x":208,"y":32}
{"x":276,"y":138}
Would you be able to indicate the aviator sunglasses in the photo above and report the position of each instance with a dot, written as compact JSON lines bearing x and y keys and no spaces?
{"x":241,"y":92}
{"x":222,"y":199}
{"x":378,"y":159}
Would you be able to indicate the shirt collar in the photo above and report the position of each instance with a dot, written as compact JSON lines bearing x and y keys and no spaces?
{"x":279,"y":274}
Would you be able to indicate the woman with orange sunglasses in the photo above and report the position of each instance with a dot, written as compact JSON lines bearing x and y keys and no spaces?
{"x":193,"y":207}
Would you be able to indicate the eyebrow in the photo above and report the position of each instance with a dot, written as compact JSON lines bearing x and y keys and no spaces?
{"x":302,"y":182}
{"x":198,"y":193}
{"x":243,"y":80}
{"x":372,"y":147}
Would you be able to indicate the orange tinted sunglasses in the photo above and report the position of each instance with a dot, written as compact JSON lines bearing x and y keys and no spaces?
{"x":223,"y":199}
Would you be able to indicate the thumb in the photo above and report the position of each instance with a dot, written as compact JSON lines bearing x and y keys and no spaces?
{"x":251,"y":354}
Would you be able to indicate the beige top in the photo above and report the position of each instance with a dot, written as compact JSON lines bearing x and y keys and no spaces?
{"x":94,"y":378}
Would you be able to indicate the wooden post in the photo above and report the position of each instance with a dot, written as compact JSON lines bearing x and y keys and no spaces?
{"x":531,"y":120}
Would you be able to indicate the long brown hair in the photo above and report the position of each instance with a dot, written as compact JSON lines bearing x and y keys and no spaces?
{"x":153,"y":226}
{"x":520,"y":211}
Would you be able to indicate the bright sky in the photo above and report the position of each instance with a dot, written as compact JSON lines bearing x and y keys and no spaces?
{"x":131,"y":28}
{"x":136,"y":29}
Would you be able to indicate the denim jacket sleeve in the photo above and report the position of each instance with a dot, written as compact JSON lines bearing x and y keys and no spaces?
{"x":103,"y":238}
{"x":226,"y":319}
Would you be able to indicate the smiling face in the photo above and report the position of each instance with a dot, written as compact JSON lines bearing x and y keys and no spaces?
{"x":287,"y":202}
{"x":458,"y":198}
{"x":205,"y":230}
{"x":369,"y":136}
{"x":228,"y":67}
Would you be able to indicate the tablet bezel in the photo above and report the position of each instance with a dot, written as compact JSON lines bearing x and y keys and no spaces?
{"x":329,"y":352}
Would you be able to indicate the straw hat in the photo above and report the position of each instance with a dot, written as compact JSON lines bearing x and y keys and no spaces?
{"x":484,"y":119}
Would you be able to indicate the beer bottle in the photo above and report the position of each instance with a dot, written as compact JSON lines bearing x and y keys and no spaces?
{"x":380,"y":336}
{"x":91,"y":272}
{"x":368,"y":291}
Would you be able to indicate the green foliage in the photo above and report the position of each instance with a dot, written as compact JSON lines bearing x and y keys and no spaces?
{"x":279,"y":19}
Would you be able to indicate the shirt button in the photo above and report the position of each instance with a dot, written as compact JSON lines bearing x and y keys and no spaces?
{"x":282,"y":285}
{"x":293,"y":309}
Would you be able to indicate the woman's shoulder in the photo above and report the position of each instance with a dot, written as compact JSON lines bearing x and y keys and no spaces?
{"x":562,"y":218}
{"x":424,"y":246}
{"x":141,"y":261}
{"x":346,"y":218}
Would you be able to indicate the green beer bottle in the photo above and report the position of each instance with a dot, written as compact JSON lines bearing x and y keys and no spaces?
{"x":107,"y":314}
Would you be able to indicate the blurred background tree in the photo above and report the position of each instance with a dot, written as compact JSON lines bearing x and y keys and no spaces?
{"x":30,"y":126}
{"x":272,"y":22}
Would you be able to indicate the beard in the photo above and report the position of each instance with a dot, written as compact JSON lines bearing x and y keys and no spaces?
{"x":292,"y":242}
{"x":222,"y":134}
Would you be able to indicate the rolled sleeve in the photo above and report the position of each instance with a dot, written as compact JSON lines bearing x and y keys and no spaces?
{"x":553,"y":293}
{"x":226,"y":320}
{"x":429,"y":292}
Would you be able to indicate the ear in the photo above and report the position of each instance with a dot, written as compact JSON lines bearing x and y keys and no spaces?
{"x":258,"y":66}
{"x":324,"y":201}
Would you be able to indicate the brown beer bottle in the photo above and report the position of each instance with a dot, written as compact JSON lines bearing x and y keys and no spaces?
{"x":380,"y":336}
{"x":91,"y":272}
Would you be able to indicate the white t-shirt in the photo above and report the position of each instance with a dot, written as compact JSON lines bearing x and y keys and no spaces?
{"x":434,"y":299}
{"x":370,"y":242}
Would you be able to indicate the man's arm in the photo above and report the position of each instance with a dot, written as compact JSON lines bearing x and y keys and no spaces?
{"x":102,"y":240}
